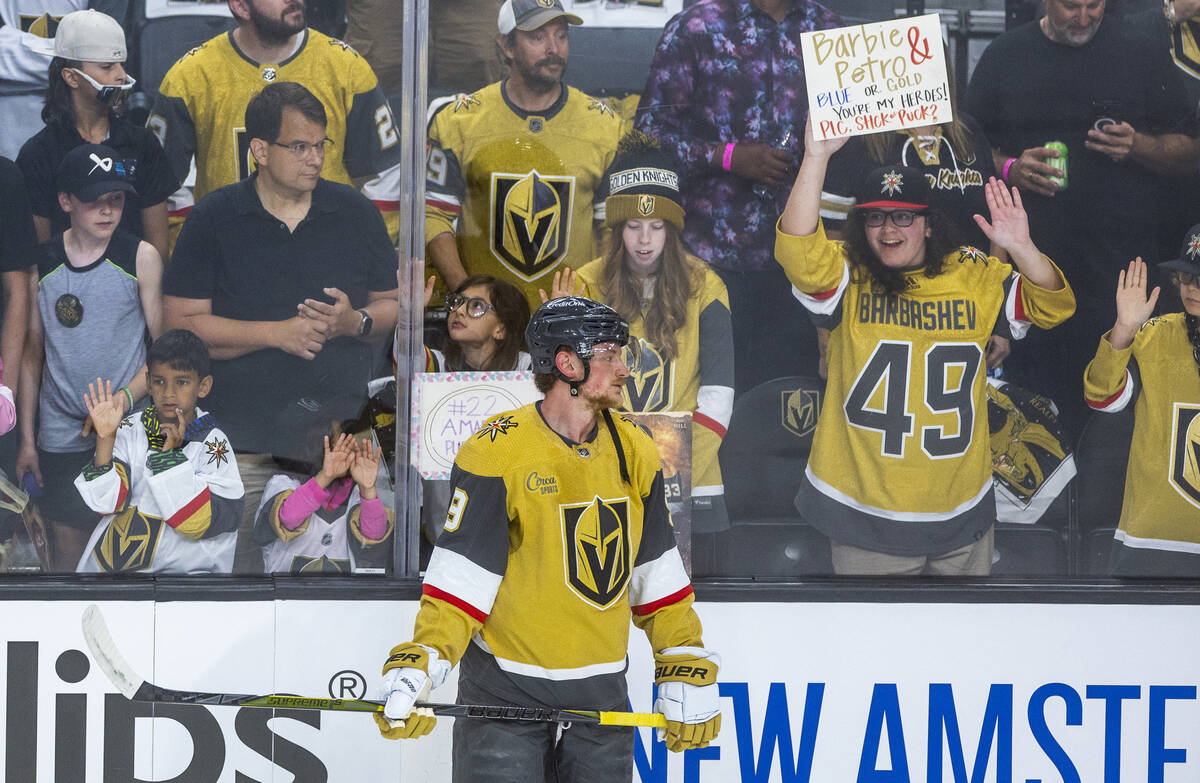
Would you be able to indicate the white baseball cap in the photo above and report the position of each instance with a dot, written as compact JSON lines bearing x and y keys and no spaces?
{"x":85,"y":36}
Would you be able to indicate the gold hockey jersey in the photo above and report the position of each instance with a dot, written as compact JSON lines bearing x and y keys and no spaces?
{"x":546,"y":554}
{"x":519,"y":189}
{"x":699,"y":379}
{"x":900,"y":460}
{"x":201,"y":111}
{"x":1161,"y":507}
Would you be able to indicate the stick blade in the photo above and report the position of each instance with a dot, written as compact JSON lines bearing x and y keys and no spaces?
{"x":106,"y":655}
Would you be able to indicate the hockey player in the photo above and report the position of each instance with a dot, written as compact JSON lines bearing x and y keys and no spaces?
{"x":164,"y":478}
{"x":514,"y":169}
{"x":677,"y":309}
{"x":557,"y":531}
{"x":1155,"y":361}
{"x":202,"y":101}
{"x":900,"y":471}
{"x":306,"y":528}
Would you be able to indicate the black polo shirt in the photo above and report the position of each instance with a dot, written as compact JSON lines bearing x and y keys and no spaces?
{"x":18,"y":241}
{"x":136,"y":146}
{"x":244,"y":259}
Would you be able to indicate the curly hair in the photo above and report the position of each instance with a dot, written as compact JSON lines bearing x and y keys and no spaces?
{"x":864,"y":264}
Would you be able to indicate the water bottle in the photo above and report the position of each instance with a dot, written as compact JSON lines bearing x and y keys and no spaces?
{"x":762,"y":189}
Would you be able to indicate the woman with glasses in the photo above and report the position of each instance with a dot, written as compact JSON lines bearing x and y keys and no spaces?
{"x":84,"y":104}
{"x":681,"y":354}
{"x":1155,"y":363}
{"x":486,"y":325}
{"x":900,"y":473}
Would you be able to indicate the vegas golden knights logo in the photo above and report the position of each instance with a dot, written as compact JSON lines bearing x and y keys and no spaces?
{"x":646,"y":205}
{"x":531,"y":221}
{"x":596,"y":549}
{"x":801,"y":407}
{"x":651,"y":379}
{"x":1185,"y":452}
{"x":129,"y":542}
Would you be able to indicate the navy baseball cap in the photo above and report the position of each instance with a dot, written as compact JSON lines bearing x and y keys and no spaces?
{"x":91,"y":170}
{"x":893,"y":187}
{"x":1189,"y":254}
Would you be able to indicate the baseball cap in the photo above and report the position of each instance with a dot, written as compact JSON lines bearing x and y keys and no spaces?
{"x":531,"y":14}
{"x":86,"y":36}
{"x":1189,"y":254}
{"x":893,"y":187}
{"x":91,"y":170}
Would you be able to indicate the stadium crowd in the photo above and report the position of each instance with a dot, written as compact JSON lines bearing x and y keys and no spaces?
{"x":949,"y":321}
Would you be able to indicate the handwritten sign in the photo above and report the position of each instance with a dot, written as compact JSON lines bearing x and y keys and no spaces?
{"x":449,"y":407}
{"x":876,"y":77}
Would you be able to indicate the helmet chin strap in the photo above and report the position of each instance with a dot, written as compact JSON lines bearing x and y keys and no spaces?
{"x":587,"y":371}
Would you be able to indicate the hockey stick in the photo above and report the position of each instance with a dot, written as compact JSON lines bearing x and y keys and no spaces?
{"x":127,"y":681}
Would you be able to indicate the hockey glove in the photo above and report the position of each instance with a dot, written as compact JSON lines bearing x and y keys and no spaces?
{"x":409,"y":673}
{"x":687,"y":696}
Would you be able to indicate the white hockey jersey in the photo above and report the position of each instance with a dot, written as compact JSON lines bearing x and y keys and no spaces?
{"x":321,"y":544}
{"x":164,"y":511}
{"x":22,"y":70}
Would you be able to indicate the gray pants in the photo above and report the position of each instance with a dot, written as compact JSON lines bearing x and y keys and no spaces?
{"x":499,"y":751}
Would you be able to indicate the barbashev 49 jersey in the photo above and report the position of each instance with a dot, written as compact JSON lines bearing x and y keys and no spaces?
{"x":519,"y":188}
{"x":201,"y":110}
{"x":901,"y":461}
{"x":164,"y":511}
{"x":545,"y":556}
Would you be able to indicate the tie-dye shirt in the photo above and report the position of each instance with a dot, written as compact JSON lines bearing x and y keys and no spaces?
{"x":724,"y":72}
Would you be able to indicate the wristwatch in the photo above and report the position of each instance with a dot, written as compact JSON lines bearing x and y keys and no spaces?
{"x":364,"y":326}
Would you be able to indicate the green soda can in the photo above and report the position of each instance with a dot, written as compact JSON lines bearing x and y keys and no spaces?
{"x":1060,"y":162}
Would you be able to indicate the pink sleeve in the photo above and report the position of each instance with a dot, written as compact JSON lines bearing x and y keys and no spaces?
{"x":372,"y":519}
{"x":8,"y":412}
{"x":307,"y":498}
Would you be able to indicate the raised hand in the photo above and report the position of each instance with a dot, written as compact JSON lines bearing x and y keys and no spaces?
{"x":337,"y":459}
{"x":1134,"y":308}
{"x":172,"y":427}
{"x":821,"y":149}
{"x":566,"y":283}
{"x":104,"y":411}
{"x":365,"y":469}
{"x":1009,"y":227}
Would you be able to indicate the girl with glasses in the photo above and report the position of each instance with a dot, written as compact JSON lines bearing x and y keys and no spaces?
{"x":1154,"y":363}
{"x":485,"y":322}
{"x":900,"y":472}
{"x":85,"y":103}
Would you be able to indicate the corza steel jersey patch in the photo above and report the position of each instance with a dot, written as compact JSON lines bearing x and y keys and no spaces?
{"x":1185,"y":452}
{"x":596,"y":543}
{"x":530,"y":221}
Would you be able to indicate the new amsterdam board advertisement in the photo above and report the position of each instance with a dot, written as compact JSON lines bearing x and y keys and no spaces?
{"x":822,"y":692}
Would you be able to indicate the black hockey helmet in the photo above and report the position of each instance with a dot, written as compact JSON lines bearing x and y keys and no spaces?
{"x":576,"y":322}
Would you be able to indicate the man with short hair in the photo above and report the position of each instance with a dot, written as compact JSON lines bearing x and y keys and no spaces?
{"x":546,"y":624}
{"x":288,"y":278}
{"x":203,"y":98}
{"x":1119,"y":106}
{"x":515,"y":168}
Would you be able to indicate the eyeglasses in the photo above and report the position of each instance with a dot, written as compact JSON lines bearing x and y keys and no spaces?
{"x":476,"y":307}
{"x":1184,"y":278}
{"x":301,"y":148}
{"x":903,"y":218}
{"x":108,"y":94}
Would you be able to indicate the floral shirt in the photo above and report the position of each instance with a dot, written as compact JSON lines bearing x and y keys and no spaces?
{"x":726,"y":72}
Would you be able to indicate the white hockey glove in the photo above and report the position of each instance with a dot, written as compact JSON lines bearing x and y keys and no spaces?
{"x":409,"y":673}
{"x":687,"y":696}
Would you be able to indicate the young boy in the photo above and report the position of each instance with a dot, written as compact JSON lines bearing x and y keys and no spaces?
{"x":165,"y":479}
{"x":97,"y":291}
